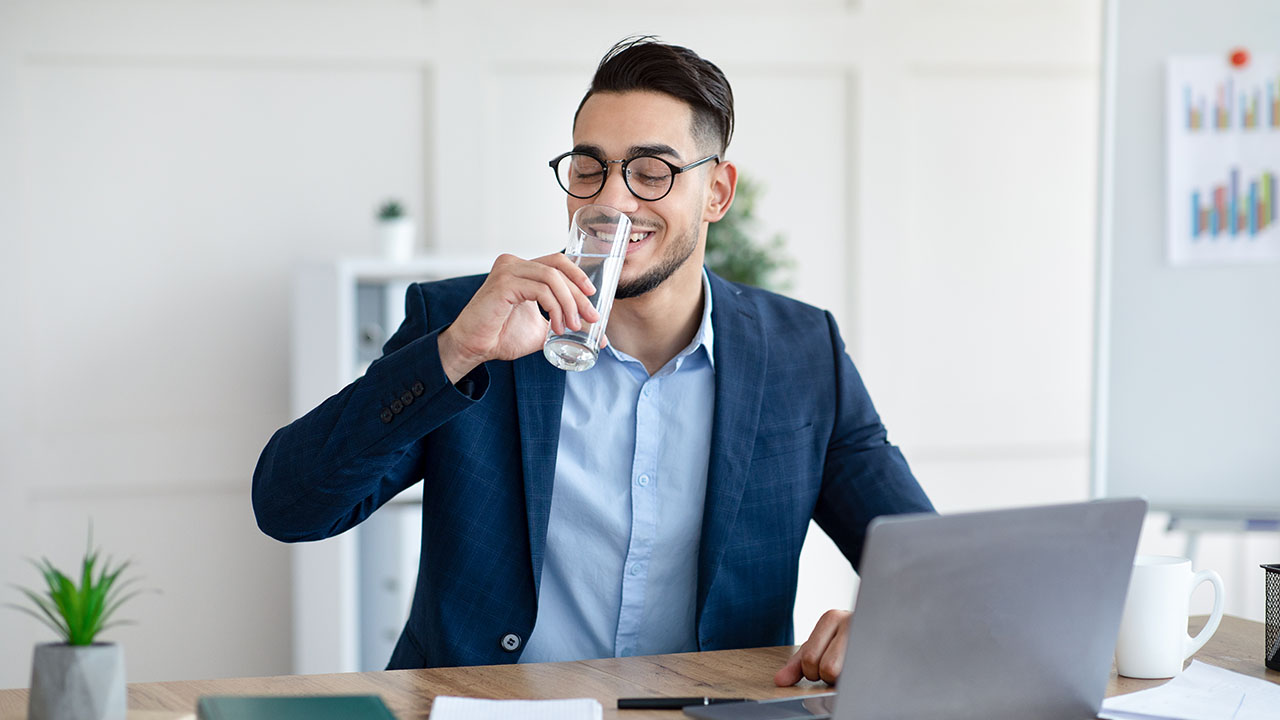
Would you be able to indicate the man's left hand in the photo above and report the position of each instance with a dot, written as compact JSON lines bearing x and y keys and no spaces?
{"x":822,"y":655}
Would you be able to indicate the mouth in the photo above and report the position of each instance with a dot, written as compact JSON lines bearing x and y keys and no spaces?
{"x":637,"y":238}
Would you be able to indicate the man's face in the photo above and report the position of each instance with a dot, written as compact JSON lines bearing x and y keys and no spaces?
{"x":665,"y":233}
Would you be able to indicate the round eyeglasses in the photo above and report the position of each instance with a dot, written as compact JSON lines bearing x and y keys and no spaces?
{"x":647,"y":177}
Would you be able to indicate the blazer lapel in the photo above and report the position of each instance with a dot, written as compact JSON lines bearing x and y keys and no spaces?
{"x":740,"y":354}
{"x":539,"y":398}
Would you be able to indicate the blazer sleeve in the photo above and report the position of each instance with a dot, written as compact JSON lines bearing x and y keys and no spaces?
{"x":864,"y":475}
{"x":330,"y":469}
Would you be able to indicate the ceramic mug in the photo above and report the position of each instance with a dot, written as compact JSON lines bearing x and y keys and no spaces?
{"x":1153,"y":640}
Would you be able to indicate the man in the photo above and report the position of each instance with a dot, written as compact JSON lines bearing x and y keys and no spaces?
{"x":686,"y":464}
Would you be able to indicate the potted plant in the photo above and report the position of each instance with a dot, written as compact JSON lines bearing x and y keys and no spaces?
{"x":395,"y":232}
{"x":79,"y":678}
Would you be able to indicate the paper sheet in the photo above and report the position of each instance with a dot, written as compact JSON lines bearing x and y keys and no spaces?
{"x":1201,"y":692}
{"x":448,"y":707}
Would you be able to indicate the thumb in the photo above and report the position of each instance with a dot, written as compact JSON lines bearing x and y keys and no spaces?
{"x":790,"y":673}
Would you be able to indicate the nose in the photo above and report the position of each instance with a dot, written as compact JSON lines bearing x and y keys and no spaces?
{"x":615,"y":193}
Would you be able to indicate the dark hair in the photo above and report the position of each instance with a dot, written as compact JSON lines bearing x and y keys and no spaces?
{"x":645,"y":64}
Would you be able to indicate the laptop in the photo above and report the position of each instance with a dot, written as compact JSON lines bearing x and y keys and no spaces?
{"x":999,"y":614}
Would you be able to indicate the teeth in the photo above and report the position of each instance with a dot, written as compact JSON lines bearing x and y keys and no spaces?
{"x":637,"y":236}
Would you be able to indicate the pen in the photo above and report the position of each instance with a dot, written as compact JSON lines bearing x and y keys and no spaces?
{"x":671,"y":703}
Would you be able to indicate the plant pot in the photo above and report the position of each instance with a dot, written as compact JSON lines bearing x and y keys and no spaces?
{"x":77,"y":682}
{"x":395,"y":239}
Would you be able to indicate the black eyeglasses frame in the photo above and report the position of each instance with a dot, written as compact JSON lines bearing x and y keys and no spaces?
{"x":626,"y":178}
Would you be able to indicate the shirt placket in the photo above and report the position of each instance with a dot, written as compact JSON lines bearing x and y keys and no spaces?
{"x":644,"y":515}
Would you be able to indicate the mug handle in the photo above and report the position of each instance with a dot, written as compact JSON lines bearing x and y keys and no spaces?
{"x":1193,"y":644}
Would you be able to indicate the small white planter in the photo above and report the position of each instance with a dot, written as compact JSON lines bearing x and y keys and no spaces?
{"x":395,"y":239}
{"x":77,"y":682}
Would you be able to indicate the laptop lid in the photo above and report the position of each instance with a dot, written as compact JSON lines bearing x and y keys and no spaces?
{"x":1005,"y":613}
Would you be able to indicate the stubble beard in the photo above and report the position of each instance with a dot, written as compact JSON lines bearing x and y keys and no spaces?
{"x":676,"y":256}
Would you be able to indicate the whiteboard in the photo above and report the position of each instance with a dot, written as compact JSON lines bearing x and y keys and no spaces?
{"x":1187,"y":359}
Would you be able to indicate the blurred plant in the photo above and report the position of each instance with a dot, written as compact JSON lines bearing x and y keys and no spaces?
{"x":390,"y":210}
{"x":734,"y":253}
{"x":79,"y":613}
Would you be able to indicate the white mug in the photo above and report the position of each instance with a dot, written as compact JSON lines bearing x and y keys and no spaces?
{"x":1153,"y":640}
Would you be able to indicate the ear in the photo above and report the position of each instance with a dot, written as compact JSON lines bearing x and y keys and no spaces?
{"x":724,"y":183}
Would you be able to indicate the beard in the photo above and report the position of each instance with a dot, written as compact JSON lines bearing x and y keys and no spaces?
{"x":675,"y":257}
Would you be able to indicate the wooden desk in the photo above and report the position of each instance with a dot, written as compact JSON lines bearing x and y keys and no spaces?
{"x":732,"y":673}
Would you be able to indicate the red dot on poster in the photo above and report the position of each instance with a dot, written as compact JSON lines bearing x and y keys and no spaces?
{"x":1239,"y":57}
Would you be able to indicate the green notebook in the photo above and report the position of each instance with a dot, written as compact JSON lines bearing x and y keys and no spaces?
{"x":307,"y":707}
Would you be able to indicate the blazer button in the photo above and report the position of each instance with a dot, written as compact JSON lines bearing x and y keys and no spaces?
{"x":397,"y":406}
{"x":418,"y":389}
{"x":407,"y":398}
{"x":510,"y":642}
{"x":386,"y":415}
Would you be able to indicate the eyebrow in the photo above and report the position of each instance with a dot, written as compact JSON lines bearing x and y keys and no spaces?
{"x":633,"y":151}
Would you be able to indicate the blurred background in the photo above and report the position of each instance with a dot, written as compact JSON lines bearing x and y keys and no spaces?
{"x":166,"y":169}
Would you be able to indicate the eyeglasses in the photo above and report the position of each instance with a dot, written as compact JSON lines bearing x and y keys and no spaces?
{"x":647,"y":177}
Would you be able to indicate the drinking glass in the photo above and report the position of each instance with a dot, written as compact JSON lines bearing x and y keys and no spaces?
{"x":598,"y":238}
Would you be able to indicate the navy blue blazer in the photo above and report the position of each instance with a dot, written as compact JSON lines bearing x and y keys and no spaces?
{"x":795,"y":437}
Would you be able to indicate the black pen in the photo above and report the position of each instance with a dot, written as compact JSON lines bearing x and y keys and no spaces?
{"x":671,"y":703}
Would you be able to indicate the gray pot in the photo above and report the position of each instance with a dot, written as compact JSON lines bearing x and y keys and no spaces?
{"x":77,"y":682}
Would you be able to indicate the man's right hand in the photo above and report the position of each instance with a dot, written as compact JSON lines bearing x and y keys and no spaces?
{"x":502,"y":321}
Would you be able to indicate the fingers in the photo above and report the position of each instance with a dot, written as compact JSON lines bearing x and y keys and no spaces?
{"x":832,"y":663}
{"x":500,"y":321}
{"x":578,"y":282}
{"x":822,"y":655}
{"x":556,"y":284}
{"x":571,"y":271}
{"x":790,"y":673}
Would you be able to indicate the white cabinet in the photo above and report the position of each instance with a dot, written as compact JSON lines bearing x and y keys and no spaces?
{"x":351,"y":593}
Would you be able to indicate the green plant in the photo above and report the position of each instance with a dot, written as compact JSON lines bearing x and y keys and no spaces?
{"x":79,"y":612}
{"x":390,"y":210}
{"x":734,"y":253}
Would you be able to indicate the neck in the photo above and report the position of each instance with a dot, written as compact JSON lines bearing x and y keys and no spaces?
{"x":656,"y":326}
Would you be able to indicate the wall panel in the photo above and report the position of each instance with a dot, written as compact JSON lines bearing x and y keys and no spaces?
{"x":165,"y":203}
{"x":995,"y":299}
{"x":223,"y":586}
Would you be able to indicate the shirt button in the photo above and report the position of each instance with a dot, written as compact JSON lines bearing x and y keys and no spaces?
{"x":510,"y":642}
{"x":635,"y":569}
{"x":643,"y":481}
{"x":648,"y":390}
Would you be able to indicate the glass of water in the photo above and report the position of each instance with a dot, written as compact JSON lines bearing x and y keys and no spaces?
{"x":597,"y":244}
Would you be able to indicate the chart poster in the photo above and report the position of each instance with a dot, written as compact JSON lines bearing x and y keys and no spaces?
{"x":1223,"y":159}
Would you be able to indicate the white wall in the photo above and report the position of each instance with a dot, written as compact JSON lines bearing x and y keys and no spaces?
{"x":164,"y":166}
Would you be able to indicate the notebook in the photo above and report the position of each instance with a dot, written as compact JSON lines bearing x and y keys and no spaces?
{"x":448,"y":707}
{"x":281,"y":707}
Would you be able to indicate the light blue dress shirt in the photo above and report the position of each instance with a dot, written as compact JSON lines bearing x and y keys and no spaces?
{"x":620,"y":575}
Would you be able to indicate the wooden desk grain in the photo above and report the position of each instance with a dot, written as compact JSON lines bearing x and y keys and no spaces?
{"x":731,"y":673}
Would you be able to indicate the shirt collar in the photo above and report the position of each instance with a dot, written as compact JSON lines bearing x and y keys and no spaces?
{"x":706,"y":333}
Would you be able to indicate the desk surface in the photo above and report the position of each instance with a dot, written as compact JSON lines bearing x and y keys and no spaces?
{"x":735,"y":673}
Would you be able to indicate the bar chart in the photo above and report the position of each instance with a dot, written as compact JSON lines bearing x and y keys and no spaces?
{"x":1245,"y":108}
{"x":1233,"y":209}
